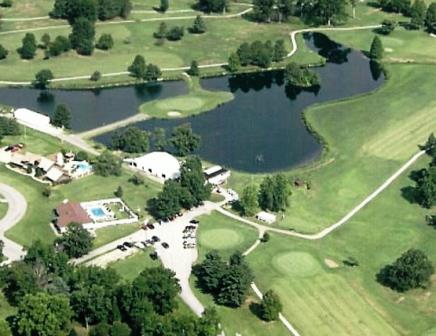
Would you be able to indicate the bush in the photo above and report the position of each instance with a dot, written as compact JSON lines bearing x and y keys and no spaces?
{"x":119,"y":192}
{"x":175,"y":33}
{"x":3,"y":52}
{"x":6,"y":3}
{"x":270,"y":306}
{"x":60,"y":44}
{"x":137,"y":179}
{"x":96,"y":76}
{"x":105,"y":42}
{"x":46,"y":192}
{"x":265,"y":238}
{"x":28,"y":49}
{"x":42,"y":78}
{"x":388,"y":26}
{"x":81,"y":156}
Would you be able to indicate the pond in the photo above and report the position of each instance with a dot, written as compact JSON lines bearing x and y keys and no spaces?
{"x":262,"y":129}
{"x":92,"y":108}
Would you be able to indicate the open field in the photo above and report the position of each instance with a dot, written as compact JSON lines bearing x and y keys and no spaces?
{"x":196,"y":101}
{"x":217,"y":232}
{"x":368,"y":138}
{"x":111,"y":233}
{"x":348,"y":301}
{"x":130,"y":267}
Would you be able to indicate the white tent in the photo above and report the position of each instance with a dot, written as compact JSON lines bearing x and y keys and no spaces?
{"x":158,"y":164}
{"x":31,"y":118}
{"x":266,"y":217}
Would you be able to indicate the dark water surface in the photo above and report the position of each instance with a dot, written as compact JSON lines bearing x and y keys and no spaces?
{"x":262,"y":130}
{"x":93,"y":108}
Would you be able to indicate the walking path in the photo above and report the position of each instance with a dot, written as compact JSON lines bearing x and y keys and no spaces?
{"x":17,"y":206}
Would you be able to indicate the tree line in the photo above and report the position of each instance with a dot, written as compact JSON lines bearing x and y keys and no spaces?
{"x":52,"y":295}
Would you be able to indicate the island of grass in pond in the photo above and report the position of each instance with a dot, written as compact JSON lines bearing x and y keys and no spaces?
{"x":261,"y":129}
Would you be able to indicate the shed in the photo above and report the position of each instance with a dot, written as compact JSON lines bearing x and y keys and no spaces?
{"x":266,"y":217}
{"x":31,"y":118}
{"x":159,"y":164}
{"x":216,"y":175}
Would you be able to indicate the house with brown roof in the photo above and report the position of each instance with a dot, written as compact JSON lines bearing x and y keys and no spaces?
{"x":70,"y":212}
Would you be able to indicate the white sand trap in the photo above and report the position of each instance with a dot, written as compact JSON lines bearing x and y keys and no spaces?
{"x":331,"y":263}
{"x":174,"y":114}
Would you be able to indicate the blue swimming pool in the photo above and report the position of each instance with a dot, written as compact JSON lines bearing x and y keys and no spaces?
{"x":82,"y":167}
{"x":98,"y":212}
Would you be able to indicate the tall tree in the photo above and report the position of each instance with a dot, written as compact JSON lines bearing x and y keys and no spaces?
{"x":152,"y":72}
{"x":61,"y":117}
{"x":167,"y":203}
{"x":234,"y":63}
{"x":184,"y":140}
{"x":192,"y":178}
{"x":270,"y":307}
{"x":42,"y":78}
{"x":3,"y":52}
{"x":193,"y":69}
{"x":82,"y":36}
{"x":279,"y":52}
{"x":43,"y":314}
{"x":216,"y":6}
{"x":131,"y":140}
{"x":417,"y":13}
{"x":164,"y":5}
{"x":327,"y":11}
{"x":248,"y":200}
{"x":376,"y":51}
{"x":28,"y":49}
{"x":430,"y":18}
{"x":210,"y":272}
{"x":76,"y":242}
{"x":107,"y":164}
{"x":199,"y":26}
{"x":137,"y":68}
{"x":263,"y":9}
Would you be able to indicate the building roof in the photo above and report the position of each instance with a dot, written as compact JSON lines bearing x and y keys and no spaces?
{"x":219,"y":172}
{"x":266,"y":217}
{"x":31,"y":117}
{"x":54,"y":174}
{"x":45,"y":164}
{"x":71,"y":212}
{"x":159,"y":163}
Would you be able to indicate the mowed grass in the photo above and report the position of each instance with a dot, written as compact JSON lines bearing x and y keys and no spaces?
{"x":3,"y":209}
{"x":348,"y":301}
{"x":130,"y":267}
{"x":226,"y":235}
{"x":28,"y":8}
{"x":196,"y":101}
{"x":368,"y":137}
{"x":111,"y":233}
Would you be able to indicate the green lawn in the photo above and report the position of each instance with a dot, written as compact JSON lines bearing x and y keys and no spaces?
{"x":111,"y":233}
{"x":130,"y":267}
{"x":348,"y":301}
{"x":196,"y":101}
{"x":3,"y":209}
{"x":368,"y":137}
{"x":217,"y":232}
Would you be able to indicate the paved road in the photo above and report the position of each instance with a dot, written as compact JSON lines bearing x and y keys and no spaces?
{"x":17,"y":207}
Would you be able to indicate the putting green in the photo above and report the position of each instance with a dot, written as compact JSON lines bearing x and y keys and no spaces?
{"x":220,"y":239}
{"x":184,"y":103}
{"x":299,"y":264}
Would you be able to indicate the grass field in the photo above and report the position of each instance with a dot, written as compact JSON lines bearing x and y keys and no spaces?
{"x":196,"y":101}
{"x":368,"y":137}
{"x":3,"y":209}
{"x":348,"y":301}
{"x":111,"y":233}
{"x":130,"y":267}
{"x":218,"y":232}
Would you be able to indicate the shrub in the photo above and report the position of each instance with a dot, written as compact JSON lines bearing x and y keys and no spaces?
{"x":96,"y":76}
{"x":175,"y":33}
{"x":105,"y":42}
{"x":3,"y":52}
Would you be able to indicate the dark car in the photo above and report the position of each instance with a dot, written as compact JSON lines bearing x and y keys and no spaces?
{"x":153,"y":255}
{"x":121,"y":247}
{"x":155,"y":239}
{"x":150,"y":226}
{"x":194,"y":221}
{"x":165,"y":245}
{"x":128,"y":244}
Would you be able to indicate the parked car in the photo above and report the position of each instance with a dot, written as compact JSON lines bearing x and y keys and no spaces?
{"x":155,"y":239}
{"x":128,"y":244}
{"x":194,"y":221}
{"x":150,"y":226}
{"x":165,"y":245}
{"x":154,"y":255}
{"x":121,"y":247}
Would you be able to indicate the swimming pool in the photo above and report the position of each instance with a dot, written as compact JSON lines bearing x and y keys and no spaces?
{"x":98,"y":212}
{"x":81,"y":168}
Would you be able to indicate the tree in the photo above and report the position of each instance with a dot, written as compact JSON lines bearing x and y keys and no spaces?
{"x":152,"y":73}
{"x":300,"y":77}
{"x":61,"y":117}
{"x":131,"y":140}
{"x":215,"y":6}
{"x":92,"y":304}
{"x":42,"y":78}
{"x":81,"y":156}
{"x":286,"y":8}
{"x":270,"y":307}
{"x":376,"y":51}
{"x":43,"y":314}
{"x":210,"y":272}
{"x":248,"y":200}
{"x":105,"y":42}
{"x":3,"y":52}
{"x":426,"y":187}
{"x":82,"y":36}
{"x":164,"y":5}
{"x":430,"y":145}
{"x":411,"y":270}
{"x":162,"y":31}
{"x":120,"y":329}
{"x":109,"y":9}
{"x":7,"y":3}
{"x":137,"y":68}
{"x":28,"y":49}
{"x":199,"y":26}
{"x":159,"y":286}
{"x":388,"y":26}
{"x":274,"y":193}
{"x":430,"y":18}
{"x":194,"y":70}
{"x":4,"y":328}
{"x":119,"y":192}
{"x":209,"y":323}
{"x":328,"y":11}
{"x":244,"y":53}
{"x":60,"y":44}
{"x":167,"y":203}
{"x":279,"y":52}
{"x":107,"y":164}
{"x":192,"y":178}
{"x":96,"y":76}
{"x":263,"y":10}
{"x":45,"y":40}
{"x":417,"y":13}
{"x":234,"y":63}
{"x":76,"y":242}
{"x":9,"y":126}
{"x":184,"y":140}
{"x":159,"y":138}
{"x":81,"y":9}
{"x":101,"y":329}
{"x":175,"y":33}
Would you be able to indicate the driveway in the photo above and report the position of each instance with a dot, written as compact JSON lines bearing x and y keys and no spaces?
{"x":17,"y":207}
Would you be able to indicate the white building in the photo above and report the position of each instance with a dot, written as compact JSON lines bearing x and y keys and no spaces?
{"x":157,"y":164}
{"x":31,"y":119}
{"x":266,"y":217}
{"x":216,"y":175}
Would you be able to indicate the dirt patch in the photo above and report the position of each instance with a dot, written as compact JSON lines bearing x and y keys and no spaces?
{"x":174,"y":114}
{"x":331,"y":263}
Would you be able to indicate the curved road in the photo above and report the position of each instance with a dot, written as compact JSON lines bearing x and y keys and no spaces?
{"x":17,"y":206}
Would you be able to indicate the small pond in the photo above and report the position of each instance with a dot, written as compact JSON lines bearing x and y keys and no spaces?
{"x":262,"y":129}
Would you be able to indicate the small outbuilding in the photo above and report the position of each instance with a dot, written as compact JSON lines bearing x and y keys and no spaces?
{"x":158,"y":164}
{"x":216,"y":175}
{"x":266,"y":217}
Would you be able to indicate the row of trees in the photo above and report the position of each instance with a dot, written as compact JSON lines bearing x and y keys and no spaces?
{"x":90,"y":9}
{"x":273,"y":194}
{"x":9,"y":126}
{"x":134,"y":140}
{"x":176,"y":33}
{"x":140,"y":70}
{"x":258,"y":53}
{"x":51,"y":295}
{"x":188,"y":192}
{"x":426,"y":178}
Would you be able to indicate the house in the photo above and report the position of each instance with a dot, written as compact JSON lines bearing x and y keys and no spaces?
{"x":45,"y":164}
{"x":216,"y":175}
{"x":158,"y":164}
{"x":70,"y":212}
{"x":266,"y":217}
{"x":31,"y":118}
{"x":54,"y":174}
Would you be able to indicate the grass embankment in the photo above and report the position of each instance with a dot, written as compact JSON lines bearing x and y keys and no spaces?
{"x":368,"y":139}
{"x":348,"y":301}
{"x":216,"y":232}
{"x":196,"y":101}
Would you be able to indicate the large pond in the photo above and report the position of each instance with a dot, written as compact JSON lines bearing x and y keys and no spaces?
{"x":92,"y":108}
{"x":262,"y":129}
